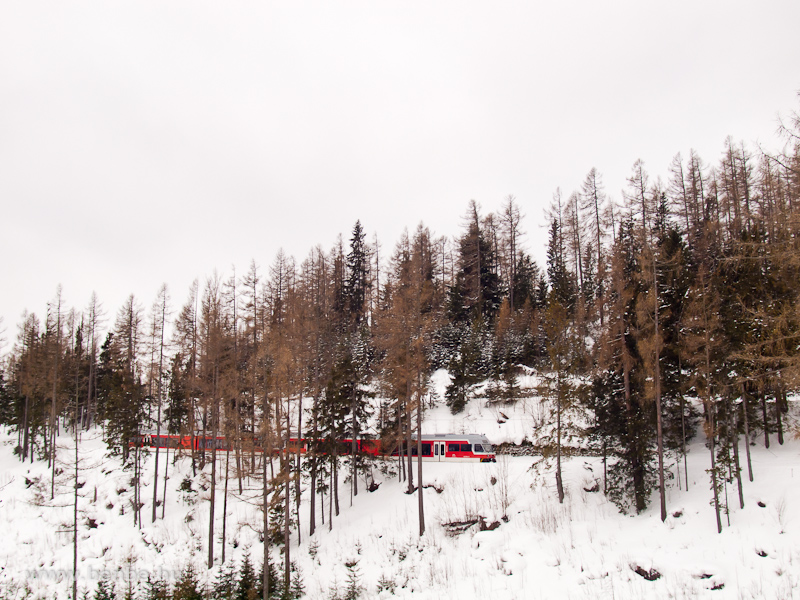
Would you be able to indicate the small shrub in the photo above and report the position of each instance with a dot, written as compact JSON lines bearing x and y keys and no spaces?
{"x":648,"y":574}
{"x":354,"y":587}
{"x":386,"y":584}
{"x":313,"y":549}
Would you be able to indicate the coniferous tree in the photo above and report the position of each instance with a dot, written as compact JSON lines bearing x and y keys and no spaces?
{"x":156,"y":589}
{"x":623,"y":422}
{"x":560,"y":281}
{"x":246,"y":584}
{"x":558,"y":387}
{"x":592,"y":200}
{"x":188,"y":586}
{"x":476,"y":293}
{"x":104,"y":591}
{"x":120,"y":389}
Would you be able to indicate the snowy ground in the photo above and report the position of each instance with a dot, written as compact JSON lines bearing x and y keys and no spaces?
{"x":582,"y":549}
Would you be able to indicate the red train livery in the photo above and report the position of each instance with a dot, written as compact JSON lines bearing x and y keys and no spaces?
{"x":438,"y":447}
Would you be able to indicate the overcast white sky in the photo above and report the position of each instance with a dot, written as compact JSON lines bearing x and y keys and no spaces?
{"x":144,"y":142}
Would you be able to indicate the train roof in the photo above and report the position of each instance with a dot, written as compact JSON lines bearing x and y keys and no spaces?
{"x":471,"y":437}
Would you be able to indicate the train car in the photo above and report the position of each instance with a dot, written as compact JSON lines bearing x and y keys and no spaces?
{"x":438,"y":447}
{"x":452,"y":447}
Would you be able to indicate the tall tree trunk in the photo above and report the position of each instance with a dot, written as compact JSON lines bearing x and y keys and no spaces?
{"x":409,"y":427}
{"x":25,"y":428}
{"x":780,"y":397}
{"x":559,"y":481}
{"x":137,"y":486}
{"x":166,"y":478}
{"x":735,"y":432}
{"x":353,"y":448}
{"x":212,"y":499}
{"x":746,"y":433}
{"x":193,"y":436}
{"x":605,"y":465}
{"x":298,"y":466}
{"x":709,"y":409}
{"x":53,"y":403}
{"x":401,"y":457}
{"x":636,"y":466}
{"x":683,"y":432}
{"x":287,"y":500}
{"x":714,"y":486}
{"x":158,"y":411}
{"x":225,"y":500}
{"x":75,"y":512}
{"x":312,"y":513}
{"x":265,"y":583}
{"x":335,"y":475}
{"x":420,"y":489}
{"x":659,"y":433}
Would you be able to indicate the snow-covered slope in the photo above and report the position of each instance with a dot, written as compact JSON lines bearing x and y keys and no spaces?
{"x":582,"y":549}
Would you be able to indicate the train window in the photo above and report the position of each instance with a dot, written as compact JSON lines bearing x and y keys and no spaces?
{"x":426,"y":449}
{"x":436,"y":449}
{"x":478,"y":448}
{"x":466,"y":447}
{"x":453,"y":447}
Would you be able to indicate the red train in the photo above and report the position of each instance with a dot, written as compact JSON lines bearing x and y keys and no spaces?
{"x":438,"y":447}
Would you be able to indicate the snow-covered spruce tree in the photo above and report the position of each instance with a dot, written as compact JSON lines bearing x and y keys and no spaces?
{"x":560,"y":280}
{"x":121,"y":393}
{"x":624,"y":421}
{"x":358,"y":345}
{"x":472,"y":304}
{"x":469,"y":364}
{"x":477,"y":288}
{"x":188,"y":586}
{"x":511,"y":337}
{"x":156,"y":589}
{"x":104,"y":590}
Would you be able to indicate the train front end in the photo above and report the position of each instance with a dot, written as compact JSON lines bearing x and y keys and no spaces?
{"x":483,"y":449}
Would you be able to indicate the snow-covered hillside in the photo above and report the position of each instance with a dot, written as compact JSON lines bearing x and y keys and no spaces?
{"x":537,"y":549}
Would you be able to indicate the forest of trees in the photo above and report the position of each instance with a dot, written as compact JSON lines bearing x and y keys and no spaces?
{"x":673,"y":309}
